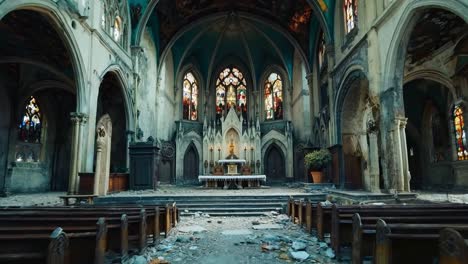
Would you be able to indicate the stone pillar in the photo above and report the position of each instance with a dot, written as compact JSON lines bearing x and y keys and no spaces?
{"x":130,"y":138}
{"x":403,"y":177}
{"x":76,"y":119}
{"x":374,"y":171}
{"x":103,"y":155}
{"x":314,"y":93}
{"x":99,"y":149}
{"x":84,"y":119}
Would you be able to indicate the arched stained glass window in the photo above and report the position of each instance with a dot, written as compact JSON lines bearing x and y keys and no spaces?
{"x":350,"y":14}
{"x":31,"y":123}
{"x":117,"y":29}
{"x":190,"y":97}
{"x":462,"y":152}
{"x":321,"y":51}
{"x":231,"y":91}
{"x":273,"y":97}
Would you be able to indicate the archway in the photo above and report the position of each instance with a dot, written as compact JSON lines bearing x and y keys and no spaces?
{"x":191,"y":160}
{"x":275,"y":170}
{"x":428,"y":133}
{"x":355,"y":116}
{"x":430,"y":93}
{"x":111,"y":101}
{"x":36,"y":64}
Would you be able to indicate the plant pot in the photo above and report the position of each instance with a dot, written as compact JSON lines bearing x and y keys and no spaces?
{"x":317,"y":176}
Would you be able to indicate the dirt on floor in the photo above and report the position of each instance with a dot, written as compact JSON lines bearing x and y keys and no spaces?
{"x":271,"y":239}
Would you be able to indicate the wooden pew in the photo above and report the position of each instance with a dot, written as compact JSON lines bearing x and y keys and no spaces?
{"x":364,"y":235}
{"x":50,"y":248}
{"x":86,"y":245}
{"x":409,"y":243}
{"x":154,"y":227}
{"x":453,"y":247}
{"x":323,"y":220}
{"x":342,"y":223}
{"x":73,"y":221}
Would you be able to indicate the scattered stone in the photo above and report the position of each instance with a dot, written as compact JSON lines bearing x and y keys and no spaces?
{"x":267,"y":227}
{"x":183,"y":239}
{"x":237,"y":232}
{"x":323,"y":245}
{"x":191,"y":229}
{"x":255,"y":222}
{"x":206,"y":215}
{"x":209,"y":221}
{"x":314,"y":239}
{"x":282,"y":217}
{"x":299,"y":255}
{"x":220,"y":222}
{"x":193,"y":248}
{"x":164,"y":248}
{"x":283,"y":256}
{"x":186,"y":211}
{"x":329,"y":253}
{"x":270,"y":238}
{"x":139,"y":260}
{"x":158,"y":261}
{"x":298,"y":246}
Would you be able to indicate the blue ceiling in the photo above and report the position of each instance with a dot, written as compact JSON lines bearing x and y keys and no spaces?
{"x":265,"y":44}
{"x":212,"y":43}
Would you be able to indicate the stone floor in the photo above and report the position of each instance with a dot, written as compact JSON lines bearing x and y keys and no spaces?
{"x":271,"y":239}
{"x":171,"y":190}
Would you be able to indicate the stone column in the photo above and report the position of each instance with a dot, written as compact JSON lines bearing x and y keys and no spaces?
{"x":83,"y":120}
{"x":130,"y":138}
{"x":75,"y":119}
{"x":99,"y":149}
{"x":403,"y":177}
{"x":310,"y":84}
{"x":374,"y":171}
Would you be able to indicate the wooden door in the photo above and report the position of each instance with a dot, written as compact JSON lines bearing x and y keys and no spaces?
{"x":191,"y":165}
{"x":353,"y":172}
{"x":274,"y":165}
{"x":165,"y":172}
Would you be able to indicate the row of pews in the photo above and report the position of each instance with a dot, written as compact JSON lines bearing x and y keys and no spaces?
{"x":399,"y":233}
{"x":84,"y":234}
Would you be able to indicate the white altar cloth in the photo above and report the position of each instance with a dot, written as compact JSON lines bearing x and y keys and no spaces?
{"x":230,"y":177}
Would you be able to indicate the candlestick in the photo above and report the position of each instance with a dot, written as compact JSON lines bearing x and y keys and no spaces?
{"x":252,"y":156}
{"x":219,"y":153}
{"x":211,"y":153}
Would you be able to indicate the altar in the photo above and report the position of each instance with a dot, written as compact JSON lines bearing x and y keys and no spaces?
{"x":237,"y":164}
{"x":227,"y":181}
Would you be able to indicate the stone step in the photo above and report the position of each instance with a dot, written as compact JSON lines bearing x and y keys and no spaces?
{"x":262,"y":205}
{"x":231,"y":209}
{"x":216,"y":205}
{"x":229,"y":214}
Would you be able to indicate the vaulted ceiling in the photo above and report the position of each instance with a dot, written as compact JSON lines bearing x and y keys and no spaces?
{"x":301,"y":20}
{"x":435,"y":28}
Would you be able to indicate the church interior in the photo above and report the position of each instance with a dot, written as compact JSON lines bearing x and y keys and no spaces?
{"x":339,"y":119}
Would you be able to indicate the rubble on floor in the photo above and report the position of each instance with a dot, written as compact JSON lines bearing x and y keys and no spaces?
{"x":237,"y":240}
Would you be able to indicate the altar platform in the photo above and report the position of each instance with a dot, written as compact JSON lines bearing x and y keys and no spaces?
{"x":232,"y":181}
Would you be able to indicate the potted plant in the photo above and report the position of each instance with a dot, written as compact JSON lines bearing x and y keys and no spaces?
{"x":316,"y":161}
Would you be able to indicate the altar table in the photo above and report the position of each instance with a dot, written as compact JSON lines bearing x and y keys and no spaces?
{"x":240,"y":181}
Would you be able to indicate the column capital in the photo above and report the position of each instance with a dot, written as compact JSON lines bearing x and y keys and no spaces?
{"x":78,"y":117}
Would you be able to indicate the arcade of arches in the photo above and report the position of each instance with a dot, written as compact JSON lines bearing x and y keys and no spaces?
{"x":381,"y":84}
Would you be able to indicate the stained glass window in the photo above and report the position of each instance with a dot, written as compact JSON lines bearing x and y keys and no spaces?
{"x":231,"y":91}
{"x":273,"y":97}
{"x":117,"y":30}
{"x":321,"y":51}
{"x":190,"y":97}
{"x":462,"y":152}
{"x":350,"y":14}
{"x":31,"y":123}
